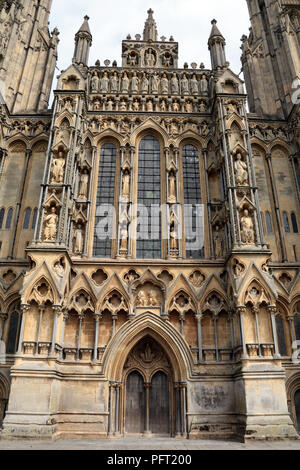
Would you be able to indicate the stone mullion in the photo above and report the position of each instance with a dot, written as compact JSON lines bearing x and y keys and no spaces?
{"x":277,"y":209}
{"x":42,"y":311}
{"x":255,"y":311}
{"x":46,"y":176}
{"x":241,"y":312}
{"x":215,"y":320}
{"x":167,"y":155}
{"x":292,"y":329}
{"x":292,"y":160}
{"x":57,"y":312}
{"x":229,"y":189}
{"x":110,"y":416}
{"x":199,"y":337}
{"x":147,"y":386}
{"x":232,"y":333}
{"x":98,"y":317}
{"x":88,"y":205}
{"x":62,"y":340}
{"x":204,"y":151}
{"x":272,"y":310}
{"x":121,"y":203}
{"x":80,"y":318}
{"x":182,"y":320}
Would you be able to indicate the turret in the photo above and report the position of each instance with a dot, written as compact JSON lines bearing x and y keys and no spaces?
{"x":216,"y":45}
{"x":83,"y":42}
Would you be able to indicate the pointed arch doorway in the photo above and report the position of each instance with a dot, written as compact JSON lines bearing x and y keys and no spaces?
{"x":148,"y":391}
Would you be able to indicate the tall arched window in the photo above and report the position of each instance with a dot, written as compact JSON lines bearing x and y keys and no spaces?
{"x":104,"y":220}
{"x":269,"y":222}
{"x":148,"y":244}
{"x":281,"y":335}
{"x":9,"y":219}
{"x":14,"y":331}
{"x":294,"y":222}
{"x":2,"y":213}
{"x":297,"y":326}
{"x":193,"y":221}
{"x":27,"y":219}
{"x":286,"y":223}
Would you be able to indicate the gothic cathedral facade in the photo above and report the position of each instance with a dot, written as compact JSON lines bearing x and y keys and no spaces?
{"x":149,"y":234}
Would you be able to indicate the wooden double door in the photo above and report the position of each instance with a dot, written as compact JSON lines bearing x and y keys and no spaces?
{"x":147,"y":404}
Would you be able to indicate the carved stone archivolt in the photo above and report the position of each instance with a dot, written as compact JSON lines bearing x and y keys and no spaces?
{"x":148,"y":357}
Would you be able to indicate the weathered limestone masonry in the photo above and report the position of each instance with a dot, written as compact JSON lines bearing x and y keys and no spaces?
{"x":152,"y":336}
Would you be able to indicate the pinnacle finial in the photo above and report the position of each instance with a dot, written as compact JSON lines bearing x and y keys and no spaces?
{"x":86,"y":18}
{"x":150,"y":30}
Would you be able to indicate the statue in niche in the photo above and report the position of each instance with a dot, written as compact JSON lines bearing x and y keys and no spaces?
{"x":145,"y":84}
{"x":247,"y":228}
{"x":126,"y":185}
{"x":164,"y":84}
{"x":194,"y":85}
{"x":241,"y":173}
{"x":84,"y":184}
{"x":173,"y":128}
{"x":114,"y":82}
{"x":135,"y":83}
{"x":152,"y":298}
{"x":95,"y":83}
{"x":50,"y":229}
{"x":124,"y":237}
{"x":176,"y":107}
{"x":123,"y":106}
{"x":125,"y":83}
{"x":154,"y":84}
{"x":184,"y":85}
{"x":218,"y":243}
{"x":172,"y":188}
{"x":149,"y":58}
{"x":150,"y":106}
{"x":125,"y":127}
{"x":202,"y":107}
{"x":78,"y":239}
{"x":141,"y":300}
{"x":163,"y":106}
{"x":132,"y":59}
{"x":203,"y":85}
{"x":58,"y":167}
{"x":136,"y":105}
{"x":104,"y":83}
{"x":188,"y":107}
{"x":110,"y":105}
{"x":97,"y":105}
{"x":174,"y":84}
{"x":238,"y":269}
{"x":173,"y":239}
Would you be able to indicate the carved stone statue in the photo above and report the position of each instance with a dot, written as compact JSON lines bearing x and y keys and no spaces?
{"x":109,"y":106}
{"x":203,"y":85}
{"x":57,"y":170}
{"x":95,"y":83}
{"x":174,"y":84}
{"x":104,"y":83}
{"x":136,"y":105}
{"x":141,"y":300}
{"x":114,"y":82}
{"x":145,"y":84}
{"x":173,"y":239}
{"x":83,"y":185}
{"x":247,"y":228}
{"x":218,"y":243}
{"x":164,"y":84}
{"x":163,"y":106}
{"x":51,"y":225}
{"x":124,"y":238}
{"x":172,"y":188}
{"x":135,"y":83}
{"x":78,"y":239}
{"x":152,"y":298}
{"x":188,"y":107}
{"x":241,"y":173}
{"x":150,"y":106}
{"x":175,"y":107}
{"x":184,"y":85}
{"x":149,"y":58}
{"x":125,"y":83}
{"x":194,"y":85}
{"x":126,"y":185}
{"x":154,"y":84}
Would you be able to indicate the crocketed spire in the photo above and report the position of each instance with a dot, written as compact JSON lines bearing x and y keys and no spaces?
{"x":150,"y":30}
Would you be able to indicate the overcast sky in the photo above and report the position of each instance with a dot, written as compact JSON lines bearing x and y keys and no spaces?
{"x":189,"y":21}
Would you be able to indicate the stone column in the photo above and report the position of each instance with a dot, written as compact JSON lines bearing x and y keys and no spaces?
{"x":272,"y":310}
{"x":114,"y":320}
{"x":57,"y":312}
{"x":147,"y":410}
{"x":178,"y":410}
{"x":182,"y":320}
{"x":199,"y":334}
{"x":183,"y":407}
{"x":98,"y":317}
{"x":255,"y":311}
{"x":42,"y":311}
{"x":241,"y":311}
{"x":117,"y":409}
{"x":65,"y":318}
{"x":24,"y":310}
{"x":110,"y":417}
{"x":80,"y":318}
